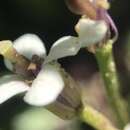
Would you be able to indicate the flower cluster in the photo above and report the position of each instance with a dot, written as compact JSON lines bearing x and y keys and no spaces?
{"x":42,"y":80}
{"x":48,"y":82}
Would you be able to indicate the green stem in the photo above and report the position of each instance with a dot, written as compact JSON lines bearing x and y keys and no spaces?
{"x":108,"y":71}
{"x":95,"y":119}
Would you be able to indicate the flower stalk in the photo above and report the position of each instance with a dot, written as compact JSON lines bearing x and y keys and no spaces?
{"x":108,"y":71}
{"x":96,"y":119}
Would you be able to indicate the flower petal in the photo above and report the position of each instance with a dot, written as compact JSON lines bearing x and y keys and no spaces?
{"x":29,"y":45}
{"x":65,"y":46}
{"x":90,"y":31}
{"x":8,"y":64}
{"x":11,"y":86}
{"x":46,"y":87}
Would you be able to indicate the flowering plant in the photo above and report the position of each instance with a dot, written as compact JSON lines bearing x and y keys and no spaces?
{"x":45,"y":83}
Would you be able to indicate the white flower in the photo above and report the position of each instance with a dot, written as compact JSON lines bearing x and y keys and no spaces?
{"x":49,"y":82}
{"x":91,"y":31}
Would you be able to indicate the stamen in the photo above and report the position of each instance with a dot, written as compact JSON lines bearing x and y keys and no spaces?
{"x":35,"y":65}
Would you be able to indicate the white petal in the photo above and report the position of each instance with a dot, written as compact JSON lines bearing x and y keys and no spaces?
{"x":127,"y":127}
{"x":46,"y":87}
{"x":8,"y":64}
{"x":10,"y":86}
{"x":29,"y":45}
{"x":90,"y":31}
{"x":65,"y":46}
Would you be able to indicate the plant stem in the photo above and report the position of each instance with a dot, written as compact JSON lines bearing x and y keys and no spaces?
{"x":95,"y":119}
{"x":104,"y":56}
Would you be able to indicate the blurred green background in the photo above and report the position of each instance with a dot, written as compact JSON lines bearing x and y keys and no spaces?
{"x":51,"y":19}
